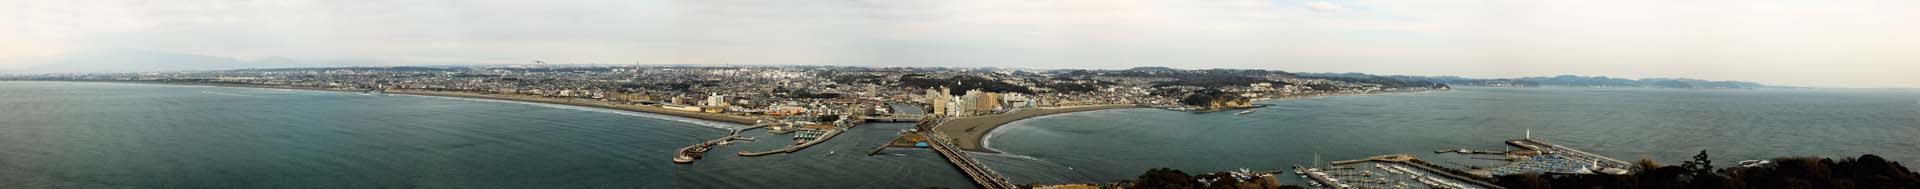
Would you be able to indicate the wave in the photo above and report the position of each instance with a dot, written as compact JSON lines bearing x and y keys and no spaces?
{"x":227,"y":94}
{"x":987,"y":142}
{"x":699,"y":122}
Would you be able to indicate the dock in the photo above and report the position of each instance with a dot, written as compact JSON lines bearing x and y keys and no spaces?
{"x":1389,"y":171}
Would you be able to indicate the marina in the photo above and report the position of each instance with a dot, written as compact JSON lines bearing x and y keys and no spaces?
{"x":1407,"y":171}
{"x":1387,"y":171}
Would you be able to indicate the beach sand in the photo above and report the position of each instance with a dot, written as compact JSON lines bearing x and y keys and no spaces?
{"x":735,"y":119}
{"x":968,"y":132}
{"x":724,"y":118}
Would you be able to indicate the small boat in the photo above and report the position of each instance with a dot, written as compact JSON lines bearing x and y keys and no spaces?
{"x":830,"y":152}
{"x":1244,"y":112}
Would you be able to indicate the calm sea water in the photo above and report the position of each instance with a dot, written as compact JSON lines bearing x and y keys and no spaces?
{"x":1630,"y":124}
{"x":95,"y":135}
{"x":105,"y":135}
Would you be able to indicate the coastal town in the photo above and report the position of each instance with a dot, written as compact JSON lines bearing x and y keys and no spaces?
{"x":955,"y":107}
{"x":742,"y":94}
{"x":953,"y":110}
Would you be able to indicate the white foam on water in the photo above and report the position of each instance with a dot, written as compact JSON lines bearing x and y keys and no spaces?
{"x":703,"y":123}
{"x":226,"y":94}
{"x":987,"y":141}
{"x":1004,"y":154}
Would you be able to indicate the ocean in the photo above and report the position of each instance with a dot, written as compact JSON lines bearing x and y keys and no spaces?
{"x":1665,"y":125}
{"x":111,"y":135}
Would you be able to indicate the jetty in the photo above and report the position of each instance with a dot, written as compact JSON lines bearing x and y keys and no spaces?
{"x":811,"y":136}
{"x":694,"y":152}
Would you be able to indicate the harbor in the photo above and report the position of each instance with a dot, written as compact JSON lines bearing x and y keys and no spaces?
{"x":1387,"y":171}
{"x":1407,"y":171}
{"x":694,"y":152}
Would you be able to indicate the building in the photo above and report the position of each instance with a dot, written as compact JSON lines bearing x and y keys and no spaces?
{"x":939,"y":101}
{"x":978,"y":102}
{"x":717,"y":100}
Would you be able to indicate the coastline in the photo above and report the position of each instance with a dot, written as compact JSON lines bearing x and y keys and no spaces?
{"x":742,"y":120}
{"x":969,"y":132}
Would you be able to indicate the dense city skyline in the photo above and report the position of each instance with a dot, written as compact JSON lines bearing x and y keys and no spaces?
{"x":1821,"y":44}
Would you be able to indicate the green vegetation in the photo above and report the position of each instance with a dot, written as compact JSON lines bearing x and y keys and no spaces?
{"x":1212,"y":98}
{"x":1170,"y":178}
{"x":960,"y":84}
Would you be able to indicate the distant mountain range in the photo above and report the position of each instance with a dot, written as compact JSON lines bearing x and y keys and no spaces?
{"x":1564,"y":81}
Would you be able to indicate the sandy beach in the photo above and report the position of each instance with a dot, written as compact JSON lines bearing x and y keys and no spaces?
{"x":968,"y":132}
{"x":743,"y":120}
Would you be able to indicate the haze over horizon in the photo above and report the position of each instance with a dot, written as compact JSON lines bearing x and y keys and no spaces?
{"x":1786,"y":42}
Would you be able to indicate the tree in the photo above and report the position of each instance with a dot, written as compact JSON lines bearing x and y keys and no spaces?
{"x":1165,"y":178}
{"x":1700,"y":166}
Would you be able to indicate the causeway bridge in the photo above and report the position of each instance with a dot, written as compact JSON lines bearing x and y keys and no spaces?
{"x":980,"y":174}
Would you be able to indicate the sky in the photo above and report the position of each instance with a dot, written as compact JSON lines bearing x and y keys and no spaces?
{"x":1784,"y":42}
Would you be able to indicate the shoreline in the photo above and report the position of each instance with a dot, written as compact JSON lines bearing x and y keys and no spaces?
{"x":732,"y":119}
{"x":971,"y":136}
{"x":723,"y":118}
{"x":970,"y":132}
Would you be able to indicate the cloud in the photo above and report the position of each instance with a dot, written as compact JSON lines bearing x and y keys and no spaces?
{"x":134,"y":60}
{"x":1857,"y":43}
{"x":1324,"y":6}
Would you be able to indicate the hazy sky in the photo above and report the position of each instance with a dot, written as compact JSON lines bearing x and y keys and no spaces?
{"x":1797,"y":42}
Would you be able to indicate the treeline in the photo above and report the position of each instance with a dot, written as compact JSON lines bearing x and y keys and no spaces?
{"x":960,"y":84}
{"x":1211,"y":78}
{"x":1374,"y":79}
{"x":1208,"y":97}
{"x":1867,"y":171}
